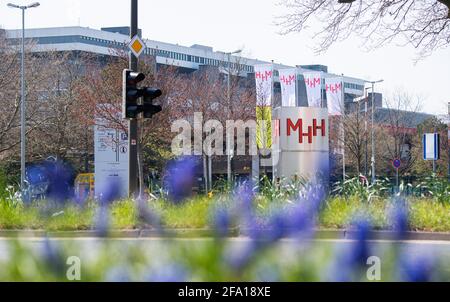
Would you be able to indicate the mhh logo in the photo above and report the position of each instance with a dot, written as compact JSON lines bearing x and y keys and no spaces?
{"x":312,"y":131}
{"x":334,"y":88}
{"x":288,"y":80}
{"x":264,"y":76}
{"x":312,"y":82}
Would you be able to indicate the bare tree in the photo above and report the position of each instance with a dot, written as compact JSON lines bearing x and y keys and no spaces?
{"x":423,"y":23}
{"x":38,"y":71}
{"x":398,"y":130}
{"x":355,"y":139}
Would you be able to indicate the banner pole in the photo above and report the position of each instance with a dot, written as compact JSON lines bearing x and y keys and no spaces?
{"x":343,"y":129}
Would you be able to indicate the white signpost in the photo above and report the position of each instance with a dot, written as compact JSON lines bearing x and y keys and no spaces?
{"x":431,"y":145}
{"x":111,"y":158}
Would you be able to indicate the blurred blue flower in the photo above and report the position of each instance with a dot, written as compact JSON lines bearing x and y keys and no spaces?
{"x":51,"y":179}
{"x":180,"y":178}
{"x":109,"y":192}
{"x":360,"y":250}
{"x":416,"y":268}
{"x":168,"y":273}
{"x":102,"y":221}
{"x":238,"y":259}
{"x":118,"y":274}
{"x":244,"y":194}
{"x":350,"y":262}
{"x":147,"y":216}
{"x":399,"y":216}
{"x":221,"y":221}
{"x":53,"y":257}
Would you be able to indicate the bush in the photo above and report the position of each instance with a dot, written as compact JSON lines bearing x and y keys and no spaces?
{"x":360,"y":187}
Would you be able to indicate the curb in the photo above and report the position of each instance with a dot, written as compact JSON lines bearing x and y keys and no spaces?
{"x":210,"y":233}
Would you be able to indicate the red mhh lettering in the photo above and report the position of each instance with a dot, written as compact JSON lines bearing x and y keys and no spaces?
{"x":299,"y":127}
{"x":312,"y":130}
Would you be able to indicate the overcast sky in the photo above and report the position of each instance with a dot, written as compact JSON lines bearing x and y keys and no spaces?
{"x":249,"y":24}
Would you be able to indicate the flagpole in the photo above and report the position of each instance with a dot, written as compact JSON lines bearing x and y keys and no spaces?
{"x":343,"y":130}
{"x":270,"y":122}
{"x":321,"y":92}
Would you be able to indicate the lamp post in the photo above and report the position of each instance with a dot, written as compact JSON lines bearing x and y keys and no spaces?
{"x":366,"y":132}
{"x":373,"y":130}
{"x":229,"y":156}
{"x":23,"y":100}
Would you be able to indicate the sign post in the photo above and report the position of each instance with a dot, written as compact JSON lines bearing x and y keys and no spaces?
{"x":431,"y":147}
{"x":133,"y":123}
{"x":396,"y":163}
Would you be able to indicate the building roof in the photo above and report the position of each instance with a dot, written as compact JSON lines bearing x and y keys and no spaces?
{"x":103,"y":41}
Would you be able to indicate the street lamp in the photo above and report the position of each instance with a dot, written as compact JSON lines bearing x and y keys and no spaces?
{"x":229,"y":156}
{"x":373,"y":130}
{"x":22,"y":105}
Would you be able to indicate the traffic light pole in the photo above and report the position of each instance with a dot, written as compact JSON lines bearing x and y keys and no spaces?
{"x":133,"y":123}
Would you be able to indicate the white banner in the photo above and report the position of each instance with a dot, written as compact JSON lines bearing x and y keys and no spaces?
{"x":334,"y":88}
{"x":313,"y":82}
{"x":264,"y":84}
{"x":288,"y":81}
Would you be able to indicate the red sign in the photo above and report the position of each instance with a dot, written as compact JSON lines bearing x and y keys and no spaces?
{"x":312,"y":131}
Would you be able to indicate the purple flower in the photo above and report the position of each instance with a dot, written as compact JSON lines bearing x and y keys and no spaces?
{"x":168,"y":273}
{"x":399,"y":217}
{"x":417,"y":268}
{"x":147,"y":216}
{"x":351,"y":261}
{"x":180,"y":178}
{"x":53,"y":180}
{"x":110,"y":192}
{"x":53,"y":257}
{"x":360,"y":250}
{"x":102,"y":222}
{"x":118,"y":274}
{"x":221,"y":221}
{"x":238,"y":259}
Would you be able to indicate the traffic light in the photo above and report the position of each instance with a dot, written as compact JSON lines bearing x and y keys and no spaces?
{"x":149,"y":95}
{"x":131,"y":95}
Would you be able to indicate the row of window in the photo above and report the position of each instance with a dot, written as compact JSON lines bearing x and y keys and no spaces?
{"x":176,"y":55}
{"x":354,"y":86}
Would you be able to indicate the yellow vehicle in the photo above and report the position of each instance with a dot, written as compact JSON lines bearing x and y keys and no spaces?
{"x":84,"y":186}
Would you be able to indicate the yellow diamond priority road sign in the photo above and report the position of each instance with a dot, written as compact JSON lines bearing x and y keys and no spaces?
{"x":137,"y":46}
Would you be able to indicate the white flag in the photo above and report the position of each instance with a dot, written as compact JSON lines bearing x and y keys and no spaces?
{"x":334,"y":88}
{"x":264,"y":84}
{"x":313,"y":82}
{"x":288,"y":80}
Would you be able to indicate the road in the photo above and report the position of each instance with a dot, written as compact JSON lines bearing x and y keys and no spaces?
{"x":91,"y":249}
{"x":91,"y":245}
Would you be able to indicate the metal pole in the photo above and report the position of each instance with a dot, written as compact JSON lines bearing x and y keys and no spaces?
{"x":434,"y":166}
{"x":373,"y":134}
{"x":396,"y":179}
{"x":133,"y":124}
{"x":228,"y":134}
{"x":210,"y":172}
{"x":22,"y":109}
{"x":343,"y":130}
{"x":366,"y":132}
